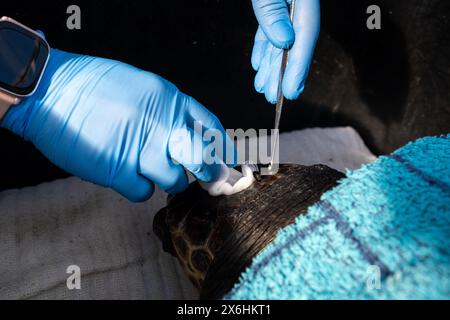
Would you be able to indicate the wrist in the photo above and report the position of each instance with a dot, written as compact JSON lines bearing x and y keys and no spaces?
{"x":6,"y":102}
{"x":17,"y":114}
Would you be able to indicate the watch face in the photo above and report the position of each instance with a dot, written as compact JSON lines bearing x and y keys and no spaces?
{"x":23,"y":56}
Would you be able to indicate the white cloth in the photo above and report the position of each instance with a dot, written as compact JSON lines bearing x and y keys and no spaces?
{"x":45,"y":229}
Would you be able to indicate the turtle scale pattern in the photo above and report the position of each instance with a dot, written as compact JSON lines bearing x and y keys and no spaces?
{"x":215,"y":238}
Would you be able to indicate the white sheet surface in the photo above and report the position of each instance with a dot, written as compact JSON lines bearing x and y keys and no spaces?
{"x":45,"y":229}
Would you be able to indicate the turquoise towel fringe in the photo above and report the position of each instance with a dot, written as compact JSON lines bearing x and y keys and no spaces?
{"x":382,"y":233}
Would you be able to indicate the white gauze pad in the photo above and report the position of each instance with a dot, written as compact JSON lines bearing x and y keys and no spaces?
{"x":230,"y":181}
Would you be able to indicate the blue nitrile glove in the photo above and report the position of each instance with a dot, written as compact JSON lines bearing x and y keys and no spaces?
{"x":275,"y":33}
{"x":115,"y":125}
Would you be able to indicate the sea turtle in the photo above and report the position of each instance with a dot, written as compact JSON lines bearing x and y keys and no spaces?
{"x":215,"y":238}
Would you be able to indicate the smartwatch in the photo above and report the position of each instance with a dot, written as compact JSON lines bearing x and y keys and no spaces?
{"x":24,"y":54}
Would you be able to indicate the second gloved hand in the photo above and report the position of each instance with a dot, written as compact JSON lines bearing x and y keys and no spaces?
{"x":115,"y":125}
{"x":275,"y":33}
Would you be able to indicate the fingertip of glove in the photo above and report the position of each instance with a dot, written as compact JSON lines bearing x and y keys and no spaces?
{"x":281,"y":34}
{"x":270,"y":96}
{"x":255,"y":62}
{"x":209,"y":173}
{"x":292,"y":91}
{"x":137,"y":196}
{"x":259,"y":86}
{"x":181,"y":185}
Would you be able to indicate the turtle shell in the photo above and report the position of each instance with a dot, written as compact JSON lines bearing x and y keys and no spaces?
{"x":216,"y":238}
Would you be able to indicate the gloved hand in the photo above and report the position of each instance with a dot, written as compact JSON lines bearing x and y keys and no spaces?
{"x":275,"y":33}
{"x":115,"y":125}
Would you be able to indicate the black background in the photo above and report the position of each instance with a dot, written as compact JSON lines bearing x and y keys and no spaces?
{"x":392,"y":85}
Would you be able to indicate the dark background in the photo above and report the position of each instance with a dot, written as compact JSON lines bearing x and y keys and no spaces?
{"x":391,"y":85}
